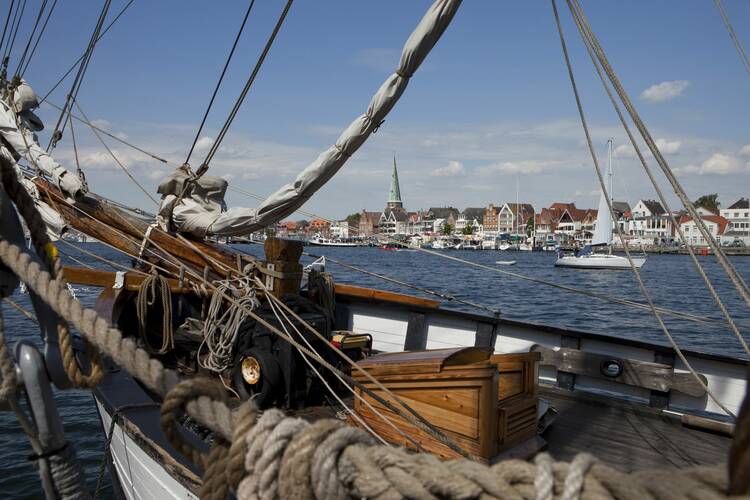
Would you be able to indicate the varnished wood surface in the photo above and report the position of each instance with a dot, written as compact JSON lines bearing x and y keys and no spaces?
{"x":106,"y":279}
{"x":626,"y":437}
{"x":359,"y":292}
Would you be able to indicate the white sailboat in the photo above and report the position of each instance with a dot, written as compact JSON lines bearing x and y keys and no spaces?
{"x":586,"y":258}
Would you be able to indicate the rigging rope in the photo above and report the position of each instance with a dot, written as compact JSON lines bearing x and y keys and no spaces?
{"x":7,"y":20}
{"x":243,"y":94}
{"x":153,"y":288}
{"x":221,"y":78}
{"x":12,"y":41}
{"x":112,"y":154}
{"x":41,"y":32}
{"x":220,"y":330}
{"x":73,"y":66}
{"x":78,"y":81}
{"x":603,"y":187}
{"x":42,"y":6}
{"x":662,"y":198}
{"x":737,"y":44}
{"x":730,"y":270}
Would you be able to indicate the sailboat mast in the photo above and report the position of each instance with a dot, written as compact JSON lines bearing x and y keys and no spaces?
{"x":518,"y":213}
{"x":609,"y":189}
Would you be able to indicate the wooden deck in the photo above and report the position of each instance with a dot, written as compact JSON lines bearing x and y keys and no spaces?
{"x":626,"y":436}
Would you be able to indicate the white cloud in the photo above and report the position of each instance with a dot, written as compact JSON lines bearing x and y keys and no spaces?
{"x":204,"y":143}
{"x":666,"y":147}
{"x":100,"y":123}
{"x":515,"y":167}
{"x":453,"y":169}
{"x":665,"y":91}
{"x":717,"y":164}
{"x":378,"y":59}
{"x":745,"y":151}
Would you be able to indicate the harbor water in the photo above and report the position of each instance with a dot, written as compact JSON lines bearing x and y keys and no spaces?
{"x":671,"y":280}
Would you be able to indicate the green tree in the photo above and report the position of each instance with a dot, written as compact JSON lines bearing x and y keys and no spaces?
{"x":447,"y":229}
{"x":708,"y":201}
{"x":468,"y":230}
{"x":353,"y":218}
{"x":530,"y":226}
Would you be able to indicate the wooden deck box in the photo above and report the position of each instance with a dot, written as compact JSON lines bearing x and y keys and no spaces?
{"x":484,"y":403}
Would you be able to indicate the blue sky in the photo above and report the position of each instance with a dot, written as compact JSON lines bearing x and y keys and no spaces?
{"x":492,"y":100}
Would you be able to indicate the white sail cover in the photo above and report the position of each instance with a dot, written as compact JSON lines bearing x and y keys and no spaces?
{"x":282,"y":203}
{"x":603,"y":230}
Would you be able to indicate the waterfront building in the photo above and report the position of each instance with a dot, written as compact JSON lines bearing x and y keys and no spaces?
{"x":443,"y":215}
{"x":420,"y":223}
{"x":716,"y":225}
{"x":569,"y":227}
{"x":650,"y":223}
{"x":509,"y":212}
{"x":368,"y":223}
{"x":738,"y":215}
{"x":320,"y":226}
{"x":286,"y":227}
{"x":394,"y":219}
{"x":470,"y":217}
{"x":342,"y":229}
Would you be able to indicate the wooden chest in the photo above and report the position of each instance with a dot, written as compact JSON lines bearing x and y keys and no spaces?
{"x":485,"y":403}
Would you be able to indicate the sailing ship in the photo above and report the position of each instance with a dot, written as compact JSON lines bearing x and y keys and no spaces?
{"x":196,"y":337}
{"x":587,"y":257}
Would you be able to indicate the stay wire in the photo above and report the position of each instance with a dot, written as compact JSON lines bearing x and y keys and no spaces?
{"x":248,"y":84}
{"x":730,"y":270}
{"x":41,"y":33}
{"x":7,"y":20}
{"x":221,"y":78}
{"x":602,"y":185}
{"x":114,"y":157}
{"x":111,"y":136}
{"x":717,"y":299}
{"x":73,"y":66}
{"x":730,"y":29}
{"x":21,"y":61}
{"x":14,"y":30}
{"x":57,"y":132}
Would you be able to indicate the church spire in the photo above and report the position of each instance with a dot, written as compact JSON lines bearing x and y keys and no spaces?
{"x":394,"y":196}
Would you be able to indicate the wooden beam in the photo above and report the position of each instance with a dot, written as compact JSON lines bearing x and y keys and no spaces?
{"x":371,"y":294}
{"x":106,"y":279}
{"x":643,"y":374}
{"x":95,"y":217}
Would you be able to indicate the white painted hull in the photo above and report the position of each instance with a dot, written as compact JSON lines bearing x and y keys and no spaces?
{"x":598,"y":261}
{"x":140,"y":476}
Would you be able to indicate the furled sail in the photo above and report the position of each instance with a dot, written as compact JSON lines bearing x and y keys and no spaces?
{"x":239,"y":221}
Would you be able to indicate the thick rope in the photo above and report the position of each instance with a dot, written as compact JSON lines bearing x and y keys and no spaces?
{"x":602,"y":185}
{"x":153,"y":288}
{"x":48,"y":253}
{"x":291,"y":458}
{"x":660,"y":194}
{"x":731,"y":272}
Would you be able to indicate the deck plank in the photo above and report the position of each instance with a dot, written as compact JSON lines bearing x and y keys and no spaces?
{"x":625,"y":436}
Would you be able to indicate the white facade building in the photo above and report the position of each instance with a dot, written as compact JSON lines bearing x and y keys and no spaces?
{"x":738,"y":215}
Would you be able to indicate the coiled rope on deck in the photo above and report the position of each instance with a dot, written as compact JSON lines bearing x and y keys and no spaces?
{"x":290,"y":458}
{"x":153,"y":288}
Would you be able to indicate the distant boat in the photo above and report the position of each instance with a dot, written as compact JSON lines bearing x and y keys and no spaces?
{"x":586,"y":258}
{"x":333,"y":242}
{"x":505,"y":262}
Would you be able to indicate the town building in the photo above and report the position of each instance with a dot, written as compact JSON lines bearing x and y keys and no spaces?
{"x":501,"y":218}
{"x":342,"y":229}
{"x":318,"y":226}
{"x":394,"y":219}
{"x":738,"y":215}
{"x":368,"y":223}
{"x":651,"y":224}
{"x":470,"y":217}
{"x":716,"y":225}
